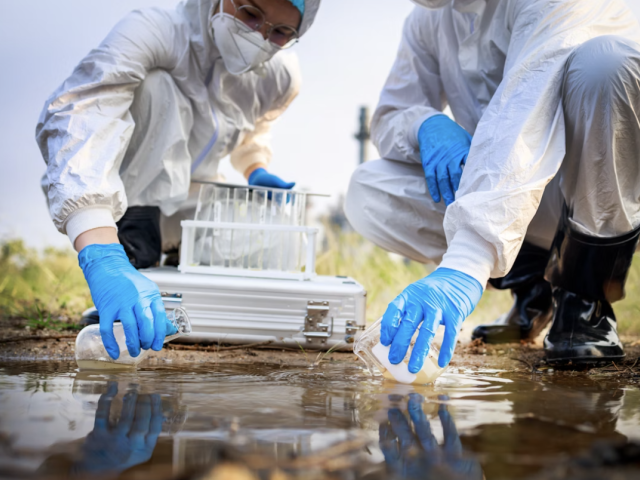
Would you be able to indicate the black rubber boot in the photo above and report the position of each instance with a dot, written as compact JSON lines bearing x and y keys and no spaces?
{"x":139,"y":233}
{"x":587,"y":274}
{"x":532,"y":308}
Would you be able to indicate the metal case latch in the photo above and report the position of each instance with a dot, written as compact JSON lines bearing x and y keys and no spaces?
{"x":351,"y":329}
{"x":171,"y":300}
{"x":316,"y":330}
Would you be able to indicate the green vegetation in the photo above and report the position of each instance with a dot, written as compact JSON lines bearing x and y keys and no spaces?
{"x":384,"y":276}
{"x":628,"y":310}
{"x":49,"y":290}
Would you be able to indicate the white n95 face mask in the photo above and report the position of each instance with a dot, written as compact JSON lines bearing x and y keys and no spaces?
{"x":432,"y":4}
{"x":242,"y":48}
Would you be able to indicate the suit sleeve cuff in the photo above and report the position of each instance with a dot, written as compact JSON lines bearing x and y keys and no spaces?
{"x":412,"y":132}
{"x":86,"y":219}
{"x":471,"y":254}
{"x":242,"y":161}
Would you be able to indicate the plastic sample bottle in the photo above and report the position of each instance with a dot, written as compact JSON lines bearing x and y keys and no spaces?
{"x":91,"y":354}
{"x":376,"y":356}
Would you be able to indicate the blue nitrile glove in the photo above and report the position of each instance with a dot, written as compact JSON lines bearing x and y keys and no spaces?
{"x":122,"y":293}
{"x":261,"y":178}
{"x":415,"y":452}
{"x":445,"y":297}
{"x":130,"y":441}
{"x":444,"y":147}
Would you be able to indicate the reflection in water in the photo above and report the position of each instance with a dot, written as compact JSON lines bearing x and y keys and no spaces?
{"x":129,"y":441}
{"x":551,"y":419}
{"x":328,"y":422}
{"x":415,"y":453}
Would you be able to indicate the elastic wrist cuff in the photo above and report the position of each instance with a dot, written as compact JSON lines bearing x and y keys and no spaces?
{"x":86,"y":219}
{"x":243,"y":160}
{"x":254,"y":174}
{"x":471,"y":254}
{"x":415,"y":128}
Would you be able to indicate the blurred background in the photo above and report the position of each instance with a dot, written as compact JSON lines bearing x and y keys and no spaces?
{"x":345,"y":59}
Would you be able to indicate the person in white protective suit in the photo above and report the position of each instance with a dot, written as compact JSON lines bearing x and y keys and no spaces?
{"x":158,"y":104}
{"x":544,"y":154}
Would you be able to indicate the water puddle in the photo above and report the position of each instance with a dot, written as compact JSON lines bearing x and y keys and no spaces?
{"x":268,"y":422}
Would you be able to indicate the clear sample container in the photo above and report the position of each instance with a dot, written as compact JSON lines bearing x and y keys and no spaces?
{"x":91,"y":354}
{"x":375,"y":355}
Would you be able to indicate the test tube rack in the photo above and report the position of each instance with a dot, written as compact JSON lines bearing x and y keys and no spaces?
{"x":249,"y":232}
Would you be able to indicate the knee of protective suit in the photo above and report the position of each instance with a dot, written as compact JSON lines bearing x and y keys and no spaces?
{"x":358,"y":196}
{"x":600,"y":65}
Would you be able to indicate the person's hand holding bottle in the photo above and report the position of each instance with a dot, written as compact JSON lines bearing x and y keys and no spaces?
{"x":445,"y":297}
{"x":122,"y":293}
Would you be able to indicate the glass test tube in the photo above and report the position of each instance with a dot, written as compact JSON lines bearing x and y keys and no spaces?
{"x":294,"y":237}
{"x":220,"y":213}
{"x":278,"y":200}
{"x":239,"y":238}
{"x":288,"y":249}
{"x":258,"y":217}
{"x":302,"y":237}
{"x":202,"y":238}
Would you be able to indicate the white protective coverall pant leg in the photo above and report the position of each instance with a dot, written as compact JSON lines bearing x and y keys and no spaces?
{"x":388,"y":201}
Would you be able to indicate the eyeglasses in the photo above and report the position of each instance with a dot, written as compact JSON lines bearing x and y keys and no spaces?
{"x":281,"y":36}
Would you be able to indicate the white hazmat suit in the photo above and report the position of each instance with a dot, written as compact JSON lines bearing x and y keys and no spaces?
{"x":152,"y":108}
{"x":550,"y":91}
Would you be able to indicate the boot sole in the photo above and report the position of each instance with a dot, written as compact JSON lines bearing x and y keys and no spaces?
{"x":583,"y":360}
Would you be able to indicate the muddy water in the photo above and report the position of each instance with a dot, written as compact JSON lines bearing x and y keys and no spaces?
{"x":329,"y":422}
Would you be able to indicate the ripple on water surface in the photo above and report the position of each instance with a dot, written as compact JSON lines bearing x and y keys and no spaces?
{"x":331,"y":421}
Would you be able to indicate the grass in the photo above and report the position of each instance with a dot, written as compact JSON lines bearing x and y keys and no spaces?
{"x":628,"y":310}
{"x":385,"y":276}
{"x":48,"y":288}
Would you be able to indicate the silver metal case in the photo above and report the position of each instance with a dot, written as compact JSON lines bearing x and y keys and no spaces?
{"x":319,"y":313}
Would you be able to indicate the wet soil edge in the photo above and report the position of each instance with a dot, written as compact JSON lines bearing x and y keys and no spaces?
{"x":51,"y":345}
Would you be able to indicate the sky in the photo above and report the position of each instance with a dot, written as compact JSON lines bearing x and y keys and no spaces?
{"x":345,"y":59}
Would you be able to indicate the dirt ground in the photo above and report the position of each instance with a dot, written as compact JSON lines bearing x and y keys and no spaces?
{"x":18,"y":342}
